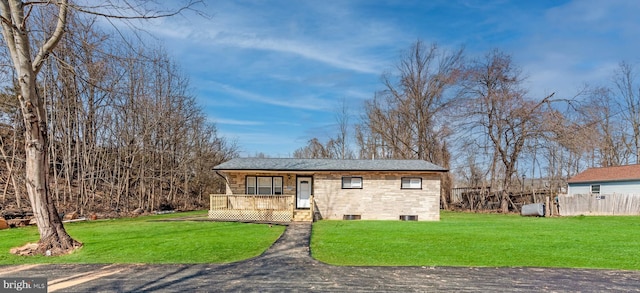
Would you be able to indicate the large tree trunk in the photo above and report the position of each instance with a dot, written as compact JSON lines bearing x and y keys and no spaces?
{"x":53,"y":237}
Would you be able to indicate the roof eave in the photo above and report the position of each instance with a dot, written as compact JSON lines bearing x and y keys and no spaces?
{"x":325,"y":170}
{"x":609,"y":180}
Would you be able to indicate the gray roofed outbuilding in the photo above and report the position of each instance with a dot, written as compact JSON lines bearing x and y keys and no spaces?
{"x":287,"y":164}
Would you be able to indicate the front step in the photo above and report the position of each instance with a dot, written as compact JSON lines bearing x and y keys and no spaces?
{"x":302,"y":215}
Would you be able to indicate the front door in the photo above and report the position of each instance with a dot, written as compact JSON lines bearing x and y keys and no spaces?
{"x":303,"y":192}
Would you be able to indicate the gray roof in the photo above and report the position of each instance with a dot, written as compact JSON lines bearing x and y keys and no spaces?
{"x":280,"y":164}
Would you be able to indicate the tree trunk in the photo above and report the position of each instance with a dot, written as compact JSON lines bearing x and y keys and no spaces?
{"x":504,"y":202}
{"x":54,"y":239}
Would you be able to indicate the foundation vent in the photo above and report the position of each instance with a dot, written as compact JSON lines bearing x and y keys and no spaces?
{"x":351,"y":217}
{"x":408,"y":217}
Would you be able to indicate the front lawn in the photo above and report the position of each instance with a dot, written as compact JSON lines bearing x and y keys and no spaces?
{"x":148,"y":240}
{"x":482,"y":240}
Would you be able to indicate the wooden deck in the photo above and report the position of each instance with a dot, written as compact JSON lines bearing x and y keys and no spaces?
{"x":258,"y":208}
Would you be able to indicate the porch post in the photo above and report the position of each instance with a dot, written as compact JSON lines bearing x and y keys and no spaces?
{"x":293,"y":206}
{"x":312,"y":207}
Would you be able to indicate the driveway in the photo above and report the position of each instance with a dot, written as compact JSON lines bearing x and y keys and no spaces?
{"x":287,"y":266}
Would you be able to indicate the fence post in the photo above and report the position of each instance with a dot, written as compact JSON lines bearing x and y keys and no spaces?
{"x":547,"y":210}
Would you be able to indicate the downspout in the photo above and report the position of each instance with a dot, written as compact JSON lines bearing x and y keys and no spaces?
{"x":223,"y":177}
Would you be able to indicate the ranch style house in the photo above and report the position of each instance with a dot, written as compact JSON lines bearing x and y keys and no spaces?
{"x":284,"y":190}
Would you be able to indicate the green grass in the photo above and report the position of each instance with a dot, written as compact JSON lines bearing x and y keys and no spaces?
{"x":148,"y":240}
{"x":482,"y":240}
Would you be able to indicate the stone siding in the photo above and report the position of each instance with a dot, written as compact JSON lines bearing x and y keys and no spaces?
{"x":237,"y":182}
{"x":381,"y":196}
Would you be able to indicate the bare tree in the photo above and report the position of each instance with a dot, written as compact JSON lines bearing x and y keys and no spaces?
{"x":313,"y":150}
{"x":408,"y":116}
{"x":408,"y":119}
{"x":342,"y":118}
{"x":499,"y":108}
{"x":629,"y":90}
{"x":16,"y":17}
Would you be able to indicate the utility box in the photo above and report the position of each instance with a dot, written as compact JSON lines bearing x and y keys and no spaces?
{"x":533,"y":210}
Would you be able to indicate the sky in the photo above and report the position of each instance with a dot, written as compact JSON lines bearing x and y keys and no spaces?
{"x":272,"y":74}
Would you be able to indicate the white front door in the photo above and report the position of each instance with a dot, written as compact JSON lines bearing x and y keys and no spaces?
{"x":303,"y":192}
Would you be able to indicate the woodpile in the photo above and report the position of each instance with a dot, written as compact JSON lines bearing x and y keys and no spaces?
{"x":15,"y":214}
{"x":70,"y":216}
{"x":13,"y":218}
{"x":14,"y":223}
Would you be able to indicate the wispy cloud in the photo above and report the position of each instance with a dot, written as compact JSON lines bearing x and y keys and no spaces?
{"x":317,"y":53}
{"x":299,"y":102}
{"x":236,"y":122}
{"x":340,"y":39}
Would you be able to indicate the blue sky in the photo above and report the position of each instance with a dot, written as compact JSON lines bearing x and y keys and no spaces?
{"x":272,"y":74}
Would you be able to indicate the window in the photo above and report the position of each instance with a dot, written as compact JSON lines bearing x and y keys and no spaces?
{"x":251,"y":185}
{"x":277,"y":185}
{"x":411,"y":183}
{"x":351,"y":182}
{"x":595,"y":189}
{"x":266,"y":185}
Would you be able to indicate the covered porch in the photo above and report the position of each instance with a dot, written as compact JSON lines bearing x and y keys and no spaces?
{"x":259,"y":208}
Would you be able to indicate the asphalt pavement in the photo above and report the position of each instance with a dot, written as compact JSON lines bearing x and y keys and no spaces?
{"x":288,"y":267}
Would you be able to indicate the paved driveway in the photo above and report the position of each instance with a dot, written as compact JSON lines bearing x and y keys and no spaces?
{"x":287,"y":266}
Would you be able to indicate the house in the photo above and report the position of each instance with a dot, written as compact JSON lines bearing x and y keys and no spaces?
{"x":280,"y":189}
{"x":606,"y":180}
{"x":602,"y":191}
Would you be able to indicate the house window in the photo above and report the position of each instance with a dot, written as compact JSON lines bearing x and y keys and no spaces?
{"x":251,"y":185}
{"x":595,"y":189}
{"x":351,"y":182}
{"x":266,"y":185}
{"x":411,"y":183}
{"x":277,"y":185}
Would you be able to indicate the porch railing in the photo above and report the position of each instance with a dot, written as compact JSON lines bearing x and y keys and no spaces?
{"x":249,"y":207}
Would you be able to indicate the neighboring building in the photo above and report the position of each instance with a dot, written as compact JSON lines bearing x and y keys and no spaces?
{"x":303,"y":189}
{"x":606,"y":180}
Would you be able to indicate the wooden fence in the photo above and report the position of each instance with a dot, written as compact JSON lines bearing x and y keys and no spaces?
{"x":484,"y":199}
{"x":601,"y":205}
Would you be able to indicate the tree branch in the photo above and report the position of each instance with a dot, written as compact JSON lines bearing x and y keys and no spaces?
{"x":54,"y":39}
{"x":141,"y":16}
